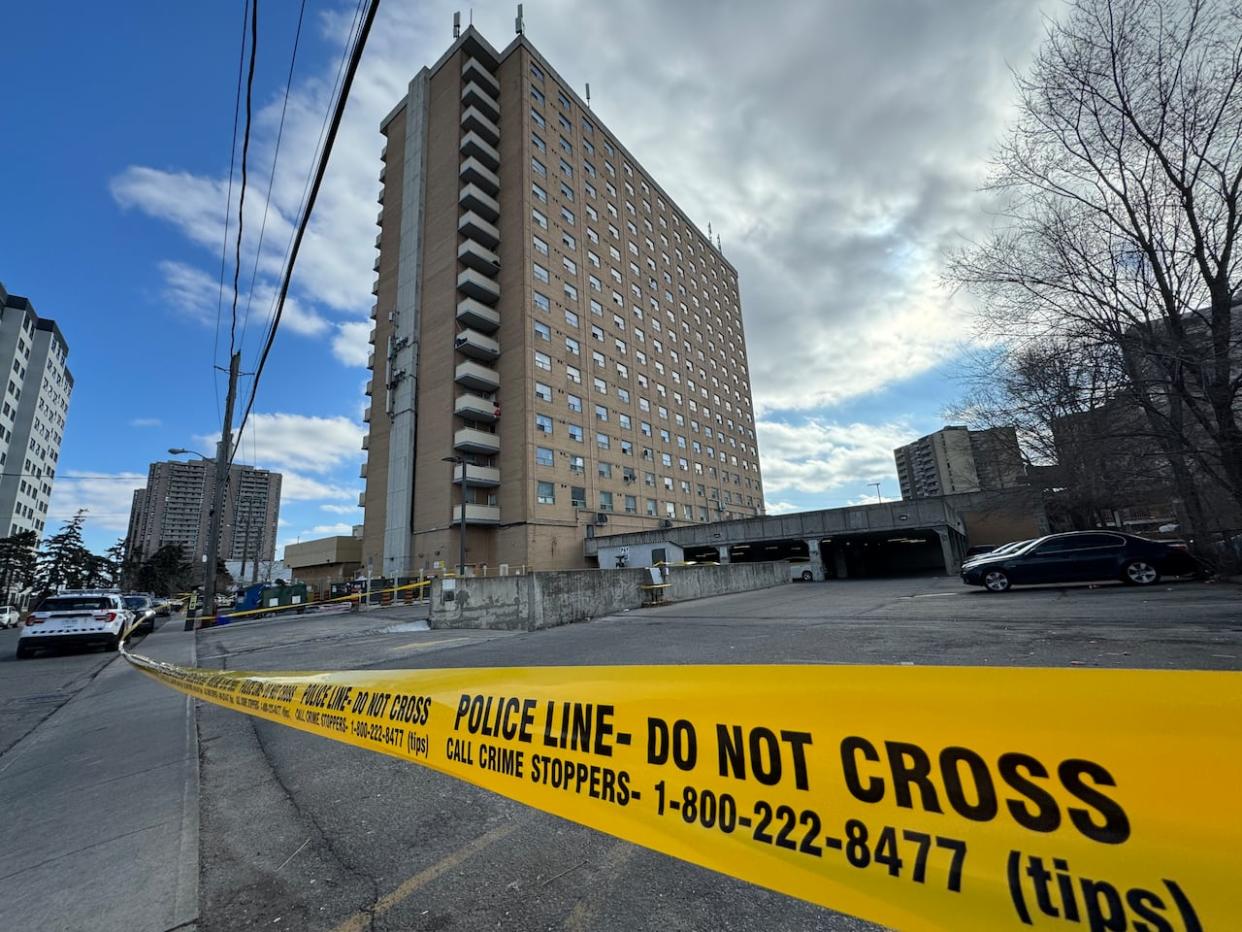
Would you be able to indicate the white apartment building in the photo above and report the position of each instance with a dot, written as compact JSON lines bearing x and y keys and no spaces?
{"x":35,"y":392}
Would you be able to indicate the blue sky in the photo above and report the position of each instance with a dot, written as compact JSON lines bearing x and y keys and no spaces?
{"x":837,"y":150}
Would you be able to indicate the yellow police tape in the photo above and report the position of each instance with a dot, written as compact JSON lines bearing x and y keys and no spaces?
{"x":919,"y":797}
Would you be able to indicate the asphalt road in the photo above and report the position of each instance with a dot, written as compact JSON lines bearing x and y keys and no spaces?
{"x":302,"y":833}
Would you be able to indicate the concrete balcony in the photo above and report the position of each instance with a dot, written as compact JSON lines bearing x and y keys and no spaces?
{"x":371,"y":336}
{"x":362,"y":502}
{"x":366,"y":414}
{"x":472,"y":225}
{"x":367,"y":391}
{"x":482,"y":476}
{"x":478,"y":257}
{"x":475,"y":408}
{"x":473,"y":121}
{"x":375,"y":267}
{"x":470,"y":440}
{"x":473,"y":344}
{"x":371,"y":359}
{"x":384,"y":153}
{"x":473,"y":95}
{"x":473,"y":375}
{"x":366,"y":441}
{"x":472,"y":197}
{"x":375,"y":286}
{"x":477,"y":514}
{"x":477,"y":316}
{"x":379,"y":219}
{"x":475,"y":172}
{"x":475,"y":70}
{"x":362,"y":471}
{"x":380,"y":197}
{"x":474,"y":145}
{"x":375,"y":311}
{"x":383,"y":173}
{"x":479,"y":287}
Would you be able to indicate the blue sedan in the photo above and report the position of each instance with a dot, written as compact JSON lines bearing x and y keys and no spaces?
{"x":1081,"y":556}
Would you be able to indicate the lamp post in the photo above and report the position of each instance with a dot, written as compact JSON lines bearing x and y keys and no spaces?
{"x":461,"y":531}
{"x":878,"y":497}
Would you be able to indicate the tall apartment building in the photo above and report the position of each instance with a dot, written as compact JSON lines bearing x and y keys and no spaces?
{"x":547,"y":316}
{"x":32,"y":413}
{"x":175,"y":508}
{"x":956,"y":459}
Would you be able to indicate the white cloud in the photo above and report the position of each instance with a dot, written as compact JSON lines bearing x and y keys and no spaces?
{"x":190,"y":291}
{"x":350,"y":344}
{"x":779,"y":508}
{"x":297,"y":442}
{"x":819,"y":456}
{"x":107,"y":498}
{"x":294,"y":487}
{"x":146,"y":422}
{"x":340,"y":509}
{"x":332,"y":529}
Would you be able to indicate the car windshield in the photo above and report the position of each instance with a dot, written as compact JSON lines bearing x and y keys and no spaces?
{"x":136,"y":601}
{"x":77,"y":603}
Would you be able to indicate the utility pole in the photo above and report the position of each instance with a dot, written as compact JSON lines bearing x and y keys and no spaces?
{"x":241,"y":574}
{"x":223,"y":449}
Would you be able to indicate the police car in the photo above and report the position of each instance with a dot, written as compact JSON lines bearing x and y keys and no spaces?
{"x":76,"y":618}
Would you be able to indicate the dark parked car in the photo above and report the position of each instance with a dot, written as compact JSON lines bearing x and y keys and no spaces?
{"x":143,"y":608}
{"x":1081,"y":556}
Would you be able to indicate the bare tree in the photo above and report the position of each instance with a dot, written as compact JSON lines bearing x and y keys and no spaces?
{"x":1123,"y":175}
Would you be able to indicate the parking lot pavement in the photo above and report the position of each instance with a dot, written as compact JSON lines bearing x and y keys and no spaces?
{"x":325,"y":836}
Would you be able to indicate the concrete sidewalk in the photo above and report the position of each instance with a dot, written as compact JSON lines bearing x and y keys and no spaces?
{"x":100,"y":825}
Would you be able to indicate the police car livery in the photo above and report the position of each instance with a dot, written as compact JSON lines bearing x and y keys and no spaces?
{"x":76,"y":618}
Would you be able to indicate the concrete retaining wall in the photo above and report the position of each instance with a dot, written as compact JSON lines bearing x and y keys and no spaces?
{"x":545,"y":600}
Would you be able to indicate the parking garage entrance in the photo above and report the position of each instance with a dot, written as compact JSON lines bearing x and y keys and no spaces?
{"x":870,"y":554}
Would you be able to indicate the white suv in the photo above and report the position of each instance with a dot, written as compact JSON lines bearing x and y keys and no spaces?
{"x":9,"y":616}
{"x":76,"y":618}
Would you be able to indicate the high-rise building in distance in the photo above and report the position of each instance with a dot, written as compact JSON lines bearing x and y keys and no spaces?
{"x":32,"y":413}
{"x":175,"y":508}
{"x":956,"y":459}
{"x":549,"y":322}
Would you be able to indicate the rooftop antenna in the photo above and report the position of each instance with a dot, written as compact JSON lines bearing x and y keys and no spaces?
{"x":588,"y":95}
{"x":457,"y":24}
{"x":518,"y":26}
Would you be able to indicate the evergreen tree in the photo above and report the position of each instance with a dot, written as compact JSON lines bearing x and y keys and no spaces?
{"x":64,"y":562}
{"x":17,"y":561}
{"x":165,"y":573}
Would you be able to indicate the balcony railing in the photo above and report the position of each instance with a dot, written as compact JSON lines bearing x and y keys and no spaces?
{"x":472,"y":197}
{"x":477,"y":514}
{"x":475,"y":70}
{"x":475,"y":314}
{"x":483,"y":476}
{"x":475,"y":408}
{"x":472,"y":144}
{"x":473,"y":120}
{"x":473,"y":95}
{"x":470,"y":440}
{"x":475,"y":172}
{"x":478,"y":257}
{"x":479,"y":287}
{"x":477,"y":346}
{"x":472,"y":225}
{"x":476,"y":376}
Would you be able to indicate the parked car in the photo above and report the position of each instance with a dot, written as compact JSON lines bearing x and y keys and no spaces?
{"x":9,"y":616}
{"x":800,"y":571}
{"x":143,"y":607}
{"x":163,"y":608}
{"x":1011,"y":547}
{"x":1081,"y":556}
{"x":76,"y":618}
{"x":979,"y":550}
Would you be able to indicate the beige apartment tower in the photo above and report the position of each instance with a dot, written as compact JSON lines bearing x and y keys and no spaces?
{"x":548,"y":323}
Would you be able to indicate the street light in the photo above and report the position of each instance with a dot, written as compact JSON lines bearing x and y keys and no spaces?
{"x":461,"y":531}
{"x":178,"y":451}
{"x":878,"y":496}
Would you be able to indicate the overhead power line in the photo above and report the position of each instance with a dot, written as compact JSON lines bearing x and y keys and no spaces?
{"x":241,"y":198}
{"x":271,"y":179}
{"x":304,"y":220}
{"x":228,"y":207}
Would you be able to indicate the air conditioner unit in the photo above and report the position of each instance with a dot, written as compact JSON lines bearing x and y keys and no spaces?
{"x":666,"y":522}
{"x":601,"y":518}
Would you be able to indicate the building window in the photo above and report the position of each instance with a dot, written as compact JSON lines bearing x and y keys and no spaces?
{"x":543,"y":392}
{"x":537,"y":117}
{"x":624,"y":421}
{"x":543,"y":361}
{"x":574,"y":374}
{"x":601,"y":441}
{"x":539,"y":194}
{"x":543,"y":456}
{"x":571,"y":346}
{"x":538,"y":167}
{"x":575,"y":432}
{"x":567,"y":215}
{"x":543,"y":424}
{"x":631,"y":505}
{"x":538,"y":141}
{"x":540,"y":246}
{"x":577,"y":496}
{"x":541,"y":219}
{"x":571,"y":292}
{"x":575,"y":403}
{"x":537,"y":95}
{"x":545,"y":492}
{"x":577,"y":465}
{"x":651,"y":506}
{"x":670,"y":510}
{"x":605,"y":501}
{"x":541,"y":274}
{"x":542,"y":331}
{"x":604,"y":469}
{"x":542,"y":302}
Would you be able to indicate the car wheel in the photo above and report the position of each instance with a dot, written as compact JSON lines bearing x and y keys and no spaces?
{"x":113,"y":643}
{"x":807,"y":576}
{"x":1140,"y":573}
{"x":996,"y":581}
{"x":23,"y":650}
